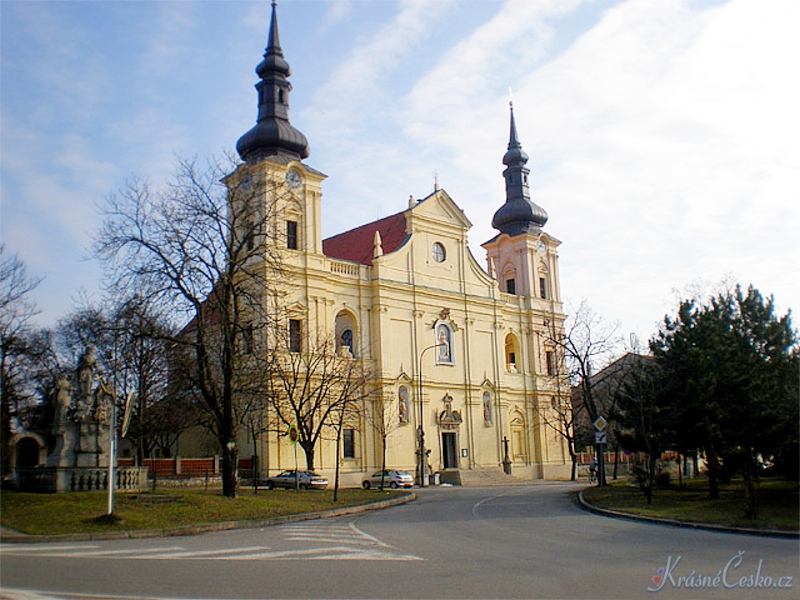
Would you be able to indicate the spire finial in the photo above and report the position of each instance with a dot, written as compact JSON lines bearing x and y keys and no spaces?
{"x":273,"y":135}
{"x":519,"y":214}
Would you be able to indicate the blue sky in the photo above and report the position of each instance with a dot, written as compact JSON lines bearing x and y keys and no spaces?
{"x":662,"y":135}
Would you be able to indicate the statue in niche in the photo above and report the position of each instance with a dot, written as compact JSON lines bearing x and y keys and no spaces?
{"x":487,"y":408}
{"x":443,"y":342}
{"x":403,"y":404}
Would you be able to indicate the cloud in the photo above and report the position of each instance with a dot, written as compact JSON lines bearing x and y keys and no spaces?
{"x":654,"y":138}
{"x":357,"y":93}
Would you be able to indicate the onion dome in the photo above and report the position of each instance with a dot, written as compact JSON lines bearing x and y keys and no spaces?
{"x":273,"y":134}
{"x":519,"y":214}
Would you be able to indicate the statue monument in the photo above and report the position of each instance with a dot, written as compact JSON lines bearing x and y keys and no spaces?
{"x":82,"y":428}
{"x":82,"y":423}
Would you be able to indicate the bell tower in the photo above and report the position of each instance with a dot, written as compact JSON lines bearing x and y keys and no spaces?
{"x":289,"y":192}
{"x":522,"y":257}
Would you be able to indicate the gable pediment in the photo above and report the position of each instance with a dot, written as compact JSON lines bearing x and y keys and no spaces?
{"x":438,"y":208}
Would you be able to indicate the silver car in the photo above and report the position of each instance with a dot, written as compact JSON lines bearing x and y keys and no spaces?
{"x":303,"y":480}
{"x":389,"y":478}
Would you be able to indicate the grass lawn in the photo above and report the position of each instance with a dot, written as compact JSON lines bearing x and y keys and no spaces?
{"x":778,"y":503}
{"x":53,"y":514}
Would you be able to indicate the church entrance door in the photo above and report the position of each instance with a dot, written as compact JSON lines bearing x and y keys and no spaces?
{"x":449,"y":451}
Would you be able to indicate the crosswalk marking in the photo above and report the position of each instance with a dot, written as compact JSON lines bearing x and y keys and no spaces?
{"x":321,"y":540}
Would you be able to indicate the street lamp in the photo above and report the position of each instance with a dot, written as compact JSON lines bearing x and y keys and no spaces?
{"x":422,"y":462}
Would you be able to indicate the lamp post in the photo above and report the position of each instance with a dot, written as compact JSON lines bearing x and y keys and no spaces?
{"x":422,"y":461}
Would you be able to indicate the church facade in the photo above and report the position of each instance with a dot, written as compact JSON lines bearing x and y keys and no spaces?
{"x":457,"y":349}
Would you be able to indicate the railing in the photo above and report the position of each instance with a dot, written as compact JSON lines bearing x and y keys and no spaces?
{"x":341,"y":268}
{"x":510,"y":298}
{"x":79,"y":479}
{"x":36,"y":480}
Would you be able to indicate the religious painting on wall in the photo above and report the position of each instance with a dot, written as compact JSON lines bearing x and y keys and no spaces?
{"x":444,"y":344}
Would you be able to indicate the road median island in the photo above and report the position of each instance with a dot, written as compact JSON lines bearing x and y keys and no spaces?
{"x":690,"y":509}
{"x":306,"y":505}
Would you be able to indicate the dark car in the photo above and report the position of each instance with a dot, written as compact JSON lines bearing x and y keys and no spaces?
{"x":303,"y":480}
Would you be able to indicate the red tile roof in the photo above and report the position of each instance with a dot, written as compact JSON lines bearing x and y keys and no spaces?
{"x":357,"y":245}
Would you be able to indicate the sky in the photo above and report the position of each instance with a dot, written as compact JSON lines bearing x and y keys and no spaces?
{"x":663,"y":136}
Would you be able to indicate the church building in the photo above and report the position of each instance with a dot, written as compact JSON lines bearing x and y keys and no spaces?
{"x":458,"y":349}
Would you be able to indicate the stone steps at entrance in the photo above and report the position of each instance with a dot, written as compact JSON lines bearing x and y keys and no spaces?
{"x":487,"y":476}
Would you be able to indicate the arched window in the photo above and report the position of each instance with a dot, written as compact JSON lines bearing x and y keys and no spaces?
{"x":510,"y":278}
{"x":512,"y":354}
{"x":544,"y":283}
{"x":345,"y":334}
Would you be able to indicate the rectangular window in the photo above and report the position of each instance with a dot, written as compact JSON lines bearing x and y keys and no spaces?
{"x":250,"y":242}
{"x":349,"y":443}
{"x":511,"y":286}
{"x":542,"y":288}
{"x":247,"y":339}
{"x":551,"y":363}
{"x":295,"y":336}
{"x":291,"y":235}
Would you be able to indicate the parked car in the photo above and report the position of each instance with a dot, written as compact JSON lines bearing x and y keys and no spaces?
{"x":304,"y":480}
{"x":391,"y":478}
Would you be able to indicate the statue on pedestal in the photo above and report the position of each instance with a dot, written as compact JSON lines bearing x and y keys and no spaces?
{"x":82,"y":417}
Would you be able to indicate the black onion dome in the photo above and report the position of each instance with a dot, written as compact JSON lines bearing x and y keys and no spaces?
{"x":273,"y":135}
{"x":519,"y":214}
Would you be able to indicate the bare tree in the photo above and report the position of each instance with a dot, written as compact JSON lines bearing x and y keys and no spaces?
{"x":198,"y":249}
{"x":16,"y":311}
{"x":562,"y":414}
{"x":587,"y":343}
{"x":313,"y":387}
{"x":384,"y":416}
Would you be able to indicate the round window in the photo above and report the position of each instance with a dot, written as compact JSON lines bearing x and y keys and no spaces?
{"x":438,"y":252}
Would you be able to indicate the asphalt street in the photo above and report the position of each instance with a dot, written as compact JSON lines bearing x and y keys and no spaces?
{"x":528,"y":541}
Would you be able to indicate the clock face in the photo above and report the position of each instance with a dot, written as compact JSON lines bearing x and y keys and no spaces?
{"x":293,"y":179}
{"x":541,"y":247}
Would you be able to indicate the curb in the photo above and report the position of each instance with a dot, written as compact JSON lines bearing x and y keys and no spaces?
{"x":607,"y":512}
{"x":12,"y":537}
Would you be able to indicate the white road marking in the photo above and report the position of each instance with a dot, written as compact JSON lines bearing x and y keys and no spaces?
{"x":328,"y":541}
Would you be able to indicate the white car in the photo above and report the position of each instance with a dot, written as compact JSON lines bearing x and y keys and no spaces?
{"x":389,"y":478}
{"x":302,"y":480}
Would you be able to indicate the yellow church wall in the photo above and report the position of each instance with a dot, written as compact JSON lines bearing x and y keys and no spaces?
{"x":394,"y":305}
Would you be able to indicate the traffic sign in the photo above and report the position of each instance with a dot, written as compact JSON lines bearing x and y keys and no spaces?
{"x":292,"y":433}
{"x":600,"y":437}
{"x":600,"y":423}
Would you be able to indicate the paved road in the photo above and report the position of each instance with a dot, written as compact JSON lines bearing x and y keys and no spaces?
{"x":498,"y":542}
